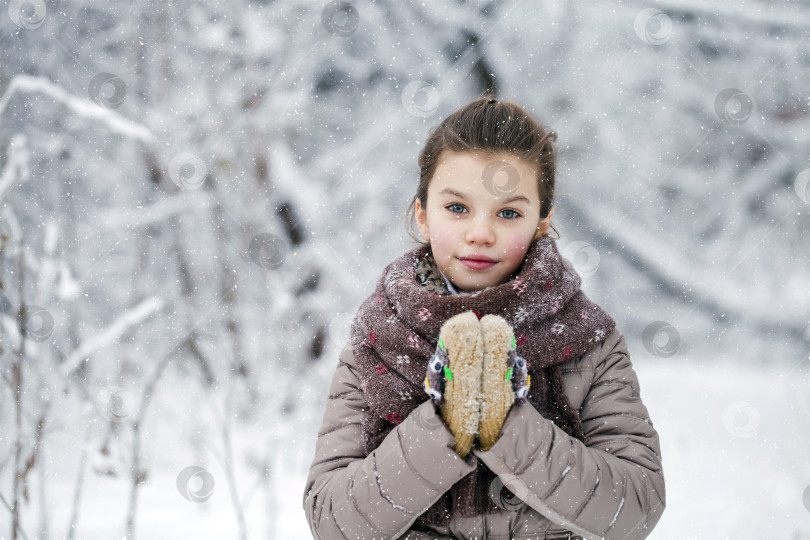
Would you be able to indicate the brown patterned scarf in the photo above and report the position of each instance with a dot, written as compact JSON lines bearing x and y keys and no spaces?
{"x":396,"y":329}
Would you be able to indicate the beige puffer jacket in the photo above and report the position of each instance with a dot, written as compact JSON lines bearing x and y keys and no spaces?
{"x":610,"y":487}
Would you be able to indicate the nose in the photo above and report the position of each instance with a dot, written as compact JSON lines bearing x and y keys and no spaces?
{"x":480,"y":231}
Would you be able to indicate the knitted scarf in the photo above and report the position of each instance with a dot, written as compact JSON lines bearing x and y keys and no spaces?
{"x":396,"y":329}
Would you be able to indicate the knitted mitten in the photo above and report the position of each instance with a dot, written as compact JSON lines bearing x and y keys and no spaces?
{"x":505,"y":378}
{"x":453,"y":377}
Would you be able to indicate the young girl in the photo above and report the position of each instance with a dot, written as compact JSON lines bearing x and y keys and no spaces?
{"x":482,"y":394}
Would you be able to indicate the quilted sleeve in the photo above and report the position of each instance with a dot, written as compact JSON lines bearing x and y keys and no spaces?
{"x":610,"y":486}
{"x":354,"y":497}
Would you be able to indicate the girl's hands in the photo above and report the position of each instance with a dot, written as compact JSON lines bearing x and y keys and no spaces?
{"x":453,"y":378}
{"x":505,"y":378}
{"x":474,"y":377}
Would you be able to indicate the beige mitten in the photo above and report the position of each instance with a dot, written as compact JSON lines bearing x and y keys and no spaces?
{"x":497,"y":394}
{"x":454,"y":377}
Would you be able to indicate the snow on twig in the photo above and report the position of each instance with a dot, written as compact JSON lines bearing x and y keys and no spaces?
{"x":17,"y":168}
{"x":118,"y":327}
{"x":82,"y":107}
{"x":158,"y":212}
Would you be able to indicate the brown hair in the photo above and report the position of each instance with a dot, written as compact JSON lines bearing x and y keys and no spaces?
{"x":491,"y":127}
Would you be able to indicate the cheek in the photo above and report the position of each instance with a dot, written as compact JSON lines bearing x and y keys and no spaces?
{"x":515,"y":248}
{"x":441,"y":239}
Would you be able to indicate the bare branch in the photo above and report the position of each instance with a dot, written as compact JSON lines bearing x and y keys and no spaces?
{"x":120,"y":325}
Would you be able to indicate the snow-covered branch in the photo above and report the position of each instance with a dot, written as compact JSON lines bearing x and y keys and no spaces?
{"x":158,"y":212}
{"x":118,"y":327}
{"x":82,"y":107}
{"x":17,"y":168}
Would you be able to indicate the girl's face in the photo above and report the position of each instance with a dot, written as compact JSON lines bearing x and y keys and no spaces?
{"x":481,"y":207}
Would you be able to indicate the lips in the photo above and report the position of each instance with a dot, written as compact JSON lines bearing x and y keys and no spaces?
{"x":477,"y":262}
{"x":482,"y":258}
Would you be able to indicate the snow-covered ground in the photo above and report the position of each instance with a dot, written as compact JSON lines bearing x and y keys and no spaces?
{"x":735,"y":443}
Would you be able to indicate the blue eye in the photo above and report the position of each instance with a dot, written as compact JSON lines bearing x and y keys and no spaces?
{"x":514,"y":213}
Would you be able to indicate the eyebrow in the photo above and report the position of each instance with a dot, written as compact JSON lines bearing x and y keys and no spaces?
{"x":462,"y":196}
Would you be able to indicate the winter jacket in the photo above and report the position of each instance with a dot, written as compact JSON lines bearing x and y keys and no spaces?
{"x":612,"y":486}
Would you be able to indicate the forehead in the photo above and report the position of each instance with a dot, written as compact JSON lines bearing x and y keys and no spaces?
{"x":478,"y":174}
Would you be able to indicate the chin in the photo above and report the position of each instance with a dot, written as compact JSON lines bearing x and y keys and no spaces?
{"x":471,"y":287}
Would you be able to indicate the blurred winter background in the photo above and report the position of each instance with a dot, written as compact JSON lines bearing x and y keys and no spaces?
{"x":195,"y":197}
